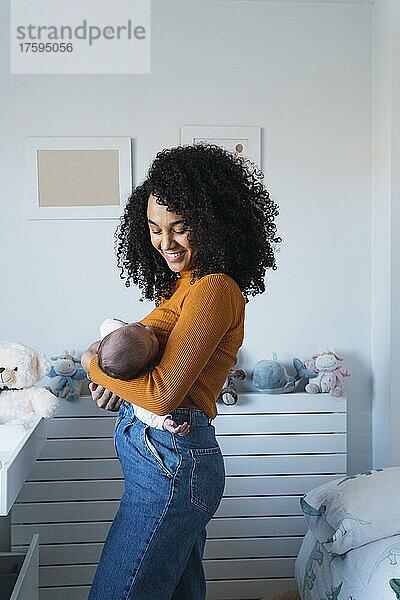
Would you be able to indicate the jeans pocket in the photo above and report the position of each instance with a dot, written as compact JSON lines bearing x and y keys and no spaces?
{"x":153,"y":451}
{"x":207,"y":479}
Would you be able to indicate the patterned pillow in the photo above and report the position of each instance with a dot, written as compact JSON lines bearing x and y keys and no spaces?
{"x":349,"y":512}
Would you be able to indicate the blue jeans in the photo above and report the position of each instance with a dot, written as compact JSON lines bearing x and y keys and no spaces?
{"x":173,"y":486}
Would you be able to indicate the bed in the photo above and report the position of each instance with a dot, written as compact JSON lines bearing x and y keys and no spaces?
{"x":351,"y":550}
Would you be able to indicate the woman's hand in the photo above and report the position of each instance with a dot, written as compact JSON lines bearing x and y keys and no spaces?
{"x":105,"y":398}
{"x":88,"y":355}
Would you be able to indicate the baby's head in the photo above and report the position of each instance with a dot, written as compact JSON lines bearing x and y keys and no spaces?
{"x":127,"y":351}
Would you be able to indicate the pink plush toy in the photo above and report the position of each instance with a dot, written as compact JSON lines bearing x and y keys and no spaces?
{"x":329,"y":374}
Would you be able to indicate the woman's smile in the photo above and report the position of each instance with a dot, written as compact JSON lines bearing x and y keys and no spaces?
{"x":174,"y":256}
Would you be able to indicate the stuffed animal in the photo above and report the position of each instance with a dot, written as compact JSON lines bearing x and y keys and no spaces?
{"x":65,"y":376}
{"x":228,"y":393}
{"x":20,"y":368}
{"x":271,"y":377}
{"x":329,"y":374}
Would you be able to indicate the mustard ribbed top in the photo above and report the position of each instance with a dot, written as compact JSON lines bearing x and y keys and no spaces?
{"x":200,"y":330}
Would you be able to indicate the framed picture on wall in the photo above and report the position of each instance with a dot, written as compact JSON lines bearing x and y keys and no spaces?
{"x":77,"y":178}
{"x":240,"y":140}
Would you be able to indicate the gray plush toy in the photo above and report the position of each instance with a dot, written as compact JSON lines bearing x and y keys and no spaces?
{"x":271,"y":377}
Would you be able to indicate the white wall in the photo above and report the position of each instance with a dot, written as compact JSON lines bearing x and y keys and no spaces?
{"x":385,"y":227}
{"x":395,"y":292}
{"x":300,"y":71}
{"x":381,"y":229}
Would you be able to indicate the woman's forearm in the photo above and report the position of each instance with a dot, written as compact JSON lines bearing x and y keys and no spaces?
{"x":88,"y":355}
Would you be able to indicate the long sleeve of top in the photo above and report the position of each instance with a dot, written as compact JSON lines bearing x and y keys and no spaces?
{"x":200,"y":330}
{"x":150,"y":418}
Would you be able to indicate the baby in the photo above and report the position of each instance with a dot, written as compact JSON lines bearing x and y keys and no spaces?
{"x":127,"y":350}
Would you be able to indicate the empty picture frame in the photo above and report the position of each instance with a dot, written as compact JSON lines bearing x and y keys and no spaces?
{"x":240,"y":140}
{"x":77,"y":178}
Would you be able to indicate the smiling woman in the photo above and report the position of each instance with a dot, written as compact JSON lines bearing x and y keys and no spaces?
{"x":197,"y":237}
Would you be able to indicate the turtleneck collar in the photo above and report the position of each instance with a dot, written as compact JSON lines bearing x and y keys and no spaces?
{"x":185,"y":274}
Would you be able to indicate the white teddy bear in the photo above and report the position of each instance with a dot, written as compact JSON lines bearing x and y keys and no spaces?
{"x":20,"y":368}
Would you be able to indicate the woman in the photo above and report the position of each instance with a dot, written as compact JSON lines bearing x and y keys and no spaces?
{"x":197,"y":236}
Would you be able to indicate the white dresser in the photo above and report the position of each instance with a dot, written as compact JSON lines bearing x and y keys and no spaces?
{"x":276,"y":448}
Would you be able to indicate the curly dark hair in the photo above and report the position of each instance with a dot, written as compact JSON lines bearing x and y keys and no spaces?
{"x":229,"y":215}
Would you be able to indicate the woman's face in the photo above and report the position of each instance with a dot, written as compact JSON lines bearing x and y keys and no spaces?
{"x":169,"y":237}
